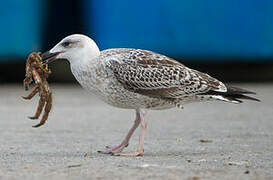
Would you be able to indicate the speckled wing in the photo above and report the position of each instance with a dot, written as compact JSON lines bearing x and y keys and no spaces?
{"x":156,"y":75}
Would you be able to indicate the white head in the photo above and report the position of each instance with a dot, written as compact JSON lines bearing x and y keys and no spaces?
{"x":73,"y":48}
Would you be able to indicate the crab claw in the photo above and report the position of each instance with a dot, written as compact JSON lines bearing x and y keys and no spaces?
{"x":33,"y":117}
{"x":38,"y":125}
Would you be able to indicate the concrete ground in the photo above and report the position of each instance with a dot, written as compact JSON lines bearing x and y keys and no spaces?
{"x":213,"y":140}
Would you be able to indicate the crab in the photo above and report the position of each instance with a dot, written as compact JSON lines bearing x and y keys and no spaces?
{"x":39,"y":72}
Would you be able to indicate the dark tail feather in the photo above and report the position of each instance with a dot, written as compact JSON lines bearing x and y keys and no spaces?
{"x":237,"y":97}
{"x":235,"y":90}
{"x":234,"y":94}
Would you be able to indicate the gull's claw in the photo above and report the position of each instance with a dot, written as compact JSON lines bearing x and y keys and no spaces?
{"x":136,"y":154}
{"x":25,"y":97}
{"x":114,"y":149}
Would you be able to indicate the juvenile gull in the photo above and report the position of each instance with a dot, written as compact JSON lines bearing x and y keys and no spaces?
{"x":138,"y":79}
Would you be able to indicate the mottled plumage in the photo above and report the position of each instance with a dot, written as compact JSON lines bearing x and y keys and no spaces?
{"x":155,"y":75}
{"x":139,"y":79}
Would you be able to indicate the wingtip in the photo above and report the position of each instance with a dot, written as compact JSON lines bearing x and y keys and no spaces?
{"x":232,"y":89}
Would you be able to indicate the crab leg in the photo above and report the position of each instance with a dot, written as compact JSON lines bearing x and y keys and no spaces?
{"x":28,"y":78}
{"x":42,"y":100}
{"x":39,"y":108}
{"x":27,"y":81}
{"x":36,"y":77}
{"x":35,"y":91}
{"x":47,"y":110}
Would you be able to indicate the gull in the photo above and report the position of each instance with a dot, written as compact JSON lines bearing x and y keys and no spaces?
{"x":138,"y":79}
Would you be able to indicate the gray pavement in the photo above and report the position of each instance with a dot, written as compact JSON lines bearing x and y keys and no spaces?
{"x":240,"y":139}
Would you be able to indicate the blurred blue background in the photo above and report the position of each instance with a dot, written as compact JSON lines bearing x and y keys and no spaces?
{"x":190,"y":29}
{"x":195,"y":32}
{"x":21,"y":27}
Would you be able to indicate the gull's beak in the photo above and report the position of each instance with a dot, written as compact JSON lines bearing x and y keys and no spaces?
{"x":48,"y":57}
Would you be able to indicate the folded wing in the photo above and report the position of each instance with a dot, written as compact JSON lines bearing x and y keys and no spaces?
{"x":156,"y":75}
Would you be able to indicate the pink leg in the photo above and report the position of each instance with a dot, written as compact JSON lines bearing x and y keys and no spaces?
{"x":125,"y":142}
{"x":140,"y":149}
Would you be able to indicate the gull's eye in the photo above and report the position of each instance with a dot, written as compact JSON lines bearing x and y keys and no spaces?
{"x":66,"y":44}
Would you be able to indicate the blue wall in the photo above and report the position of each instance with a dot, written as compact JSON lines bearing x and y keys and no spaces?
{"x":21,"y":27}
{"x":200,"y":29}
{"x":190,"y":29}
